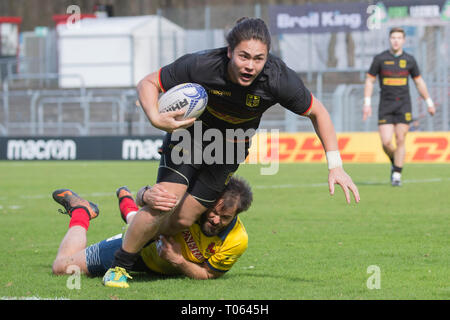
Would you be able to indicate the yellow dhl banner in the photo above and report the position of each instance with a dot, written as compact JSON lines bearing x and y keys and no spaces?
{"x":357,"y":147}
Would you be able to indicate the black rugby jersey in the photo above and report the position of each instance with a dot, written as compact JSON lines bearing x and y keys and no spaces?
{"x":231,"y":106}
{"x":393,"y":74}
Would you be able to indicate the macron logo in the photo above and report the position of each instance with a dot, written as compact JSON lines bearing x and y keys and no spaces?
{"x":41,"y":150}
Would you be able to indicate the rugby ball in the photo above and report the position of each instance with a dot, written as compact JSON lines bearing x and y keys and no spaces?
{"x":191,"y":97}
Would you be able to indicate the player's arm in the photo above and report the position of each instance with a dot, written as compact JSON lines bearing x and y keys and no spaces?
{"x":368,"y":90}
{"x":423,"y":91}
{"x":170,"y":250}
{"x":148,"y":92}
{"x":324,"y":128}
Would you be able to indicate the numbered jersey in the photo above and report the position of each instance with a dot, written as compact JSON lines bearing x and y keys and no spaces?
{"x":219,"y":252}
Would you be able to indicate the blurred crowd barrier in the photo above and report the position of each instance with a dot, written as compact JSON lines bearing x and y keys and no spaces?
{"x":79,"y":78}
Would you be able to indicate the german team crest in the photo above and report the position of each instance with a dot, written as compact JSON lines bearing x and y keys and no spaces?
{"x":402,"y":63}
{"x":408,"y":116}
{"x":252,"y":100}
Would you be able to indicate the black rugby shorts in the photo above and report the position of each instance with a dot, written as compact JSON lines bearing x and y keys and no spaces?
{"x":394,"y":111}
{"x":205,"y":181}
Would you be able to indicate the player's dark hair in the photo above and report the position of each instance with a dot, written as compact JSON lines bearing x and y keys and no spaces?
{"x":237,"y":192}
{"x":397,"y":29}
{"x":248,"y":29}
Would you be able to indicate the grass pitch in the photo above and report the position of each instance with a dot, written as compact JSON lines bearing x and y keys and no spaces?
{"x":303,"y":243}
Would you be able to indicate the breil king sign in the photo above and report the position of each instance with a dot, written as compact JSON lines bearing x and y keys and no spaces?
{"x":317,"y":18}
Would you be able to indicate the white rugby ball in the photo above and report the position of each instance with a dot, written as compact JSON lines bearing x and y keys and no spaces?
{"x":189,"y":96}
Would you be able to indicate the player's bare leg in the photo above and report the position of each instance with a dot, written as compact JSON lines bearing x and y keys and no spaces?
{"x":401,"y":129}
{"x":71,"y":251}
{"x":186,"y":214}
{"x":395,"y":154}
{"x":386,"y":132}
{"x":145,"y":225}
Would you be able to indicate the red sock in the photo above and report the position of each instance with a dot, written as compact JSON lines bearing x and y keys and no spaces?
{"x":79,"y":218}
{"x":126,"y":206}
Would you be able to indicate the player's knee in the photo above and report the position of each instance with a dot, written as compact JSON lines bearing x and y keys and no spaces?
{"x":65,"y":266}
{"x":386,"y":145}
{"x":179,"y":223}
{"x":400,"y":139}
{"x":175,"y":225}
{"x":58,"y":268}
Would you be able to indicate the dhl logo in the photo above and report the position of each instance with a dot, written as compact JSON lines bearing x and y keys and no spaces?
{"x":354,"y":147}
{"x":430,"y":149}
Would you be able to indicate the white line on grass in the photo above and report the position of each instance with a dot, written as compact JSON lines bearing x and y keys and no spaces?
{"x":32,"y":298}
{"x":275,"y":186}
{"x":323,"y":184}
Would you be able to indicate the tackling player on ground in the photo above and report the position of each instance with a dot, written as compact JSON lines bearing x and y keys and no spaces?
{"x":207,"y":250}
{"x":393,"y":68}
{"x":243,"y":80}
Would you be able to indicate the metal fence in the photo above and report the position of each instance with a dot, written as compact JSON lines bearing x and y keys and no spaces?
{"x":32,"y":103}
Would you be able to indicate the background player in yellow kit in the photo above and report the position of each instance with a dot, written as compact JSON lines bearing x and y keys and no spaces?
{"x":206,"y":250}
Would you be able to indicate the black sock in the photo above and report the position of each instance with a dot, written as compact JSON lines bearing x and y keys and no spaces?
{"x":124,"y":259}
{"x":392,"y":160}
{"x":397,"y":169}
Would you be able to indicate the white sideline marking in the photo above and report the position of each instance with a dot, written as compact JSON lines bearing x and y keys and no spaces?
{"x":323,"y":184}
{"x":42,"y":196}
{"x":290,"y":186}
{"x":276,"y":186}
{"x":32,"y":298}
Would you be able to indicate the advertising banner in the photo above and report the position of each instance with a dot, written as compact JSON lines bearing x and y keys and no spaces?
{"x":80,"y":148}
{"x":358,"y":147}
{"x":336,"y":17}
{"x":411,"y":12}
{"x":317,"y":18}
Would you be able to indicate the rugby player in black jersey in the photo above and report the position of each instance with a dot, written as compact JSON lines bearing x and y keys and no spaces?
{"x":243,"y":80}
{"x":393,"y":68}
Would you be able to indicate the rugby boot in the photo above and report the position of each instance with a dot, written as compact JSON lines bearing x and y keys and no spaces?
{"x":71,"y":201}
{"x":396,"y":180}
{"x":116,"y":278}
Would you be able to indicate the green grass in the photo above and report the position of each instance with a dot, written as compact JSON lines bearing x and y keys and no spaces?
{"x":303,"y":243}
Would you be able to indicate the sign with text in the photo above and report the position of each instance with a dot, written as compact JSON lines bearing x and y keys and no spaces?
{"x":358,"y":147}
{"x":80,"y":148}
{"x":414,"y":10}
{"x":317,"y":18}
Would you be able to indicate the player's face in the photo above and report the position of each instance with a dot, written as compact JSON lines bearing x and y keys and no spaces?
{"x":246,"y":61}
{"x":396,"y":40}
{"x":217,"y":219}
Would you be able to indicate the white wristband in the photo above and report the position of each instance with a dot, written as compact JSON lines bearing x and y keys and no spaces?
{"x":367,"y":101}
{"x":334,"y":159}
{"x":429,"y":102}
